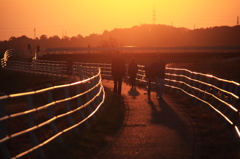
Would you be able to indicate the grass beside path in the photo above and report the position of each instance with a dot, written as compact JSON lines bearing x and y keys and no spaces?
{"x":91,"y":140}
{"x":212,"y":140}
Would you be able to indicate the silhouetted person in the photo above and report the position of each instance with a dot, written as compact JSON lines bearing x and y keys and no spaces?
{"x":132,"y":71}
{"x":156,"y":71}
{"x":118,"y":72}
{"x":69,"y":67}
{"x":159,"y":82}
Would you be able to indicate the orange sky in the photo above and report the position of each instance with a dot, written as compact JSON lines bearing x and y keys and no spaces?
{"x":73,"y":17}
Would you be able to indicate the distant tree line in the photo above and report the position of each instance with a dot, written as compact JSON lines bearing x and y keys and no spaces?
{"x":143,"y":35}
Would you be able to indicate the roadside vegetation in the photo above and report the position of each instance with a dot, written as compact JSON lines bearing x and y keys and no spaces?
{"x":211,"y":139}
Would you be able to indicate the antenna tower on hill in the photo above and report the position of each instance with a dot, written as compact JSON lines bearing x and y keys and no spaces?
{"x":34,"y":30}
{"x":154,"y":15}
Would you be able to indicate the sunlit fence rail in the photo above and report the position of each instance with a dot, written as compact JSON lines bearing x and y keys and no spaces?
{"x":38,"y":117}
{"x":218,"y":95}
{"x":53,"y":68}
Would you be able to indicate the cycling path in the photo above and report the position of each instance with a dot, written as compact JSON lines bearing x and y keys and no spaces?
{"x":154,"y":128}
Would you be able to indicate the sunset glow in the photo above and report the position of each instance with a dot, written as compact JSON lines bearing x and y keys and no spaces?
{"x":70,"y":18}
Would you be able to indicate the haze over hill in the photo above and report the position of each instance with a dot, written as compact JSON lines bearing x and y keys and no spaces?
{"x":142,"y":35}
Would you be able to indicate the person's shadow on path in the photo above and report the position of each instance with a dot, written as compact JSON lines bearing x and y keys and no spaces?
{"x":165,"y":115}
{"x":133,"y":92}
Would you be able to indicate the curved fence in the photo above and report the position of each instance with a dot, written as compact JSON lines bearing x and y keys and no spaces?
{"x":54,"y":68}
{"x":219,"y":95}
{"x":55,"y":109}
{"x":216,"y":94}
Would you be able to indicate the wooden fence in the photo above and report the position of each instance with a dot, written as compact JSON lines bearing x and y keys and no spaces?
{"x":55,"y":109}
{"x":218,"y":95}
{"x":54,"y":68}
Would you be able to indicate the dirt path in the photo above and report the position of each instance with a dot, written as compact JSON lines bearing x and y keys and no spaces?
{"x":154,"y":129}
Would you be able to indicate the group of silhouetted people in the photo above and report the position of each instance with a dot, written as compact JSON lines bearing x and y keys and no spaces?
{"x":155,"y":71}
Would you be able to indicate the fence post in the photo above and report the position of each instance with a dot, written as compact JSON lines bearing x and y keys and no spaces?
{"x":213,"y":100}
{"x":189,"y":82}
{"x":93,"y":93}
{"x":206,"y":96}
{"x":227,"y":109}
{"x":229,"y":112}
{"x":31,"y":124}
{"x":51,"y":115}
{"x":97,"y":80}
{"x":87,"y":99}
{"x":199,"y":93}
{"x":80,"y":75}
{"x":68,"y":108}
{"x":79,"y":104}
{"x":168,"y":76}
{"x":174,"y":82}
{"x":194,"y":77}
{"x":181,"y":79}
{"x":59,"y":69}
{"x":3,"y":129}
{"x":73,"y":69}
{"x":224,"y":85}
{"x":185,"y":81}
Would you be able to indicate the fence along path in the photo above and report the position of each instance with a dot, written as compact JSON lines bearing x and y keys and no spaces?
{"x":94,"y":97}
{"x":53,"y":68}
{"x":218,"y":95}
{"x":215,"y":94}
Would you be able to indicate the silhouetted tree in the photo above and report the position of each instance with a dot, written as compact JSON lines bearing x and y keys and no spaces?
{"x":108,"y":43}
{"x":143,"y":35}
{"x":43,"y":37}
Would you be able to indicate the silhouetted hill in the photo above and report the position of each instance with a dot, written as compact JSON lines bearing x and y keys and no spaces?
{"x":143,"y":35}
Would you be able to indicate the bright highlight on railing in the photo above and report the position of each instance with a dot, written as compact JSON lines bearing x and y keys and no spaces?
{"x":94,"y":94}
{"x":237,"y":130}
{"x":203,"y":102}
{"x":219,"y":95}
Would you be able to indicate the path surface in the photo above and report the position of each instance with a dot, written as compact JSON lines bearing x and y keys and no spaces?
{"x":155,"y":129}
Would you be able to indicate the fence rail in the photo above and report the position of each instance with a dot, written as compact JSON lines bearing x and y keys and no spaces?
{"x":86,"y":95}
{"x":219,"y":95}
{"x":216,"y":94}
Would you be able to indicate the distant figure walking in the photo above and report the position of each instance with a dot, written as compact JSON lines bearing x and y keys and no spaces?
{"x":156,"y":71}
{"x":132,"y":71}
{"x":69,"y":67}
{"x":118,"y":72}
